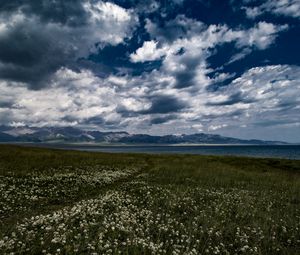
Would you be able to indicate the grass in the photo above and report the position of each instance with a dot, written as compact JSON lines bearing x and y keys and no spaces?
{"x":67,"y":202}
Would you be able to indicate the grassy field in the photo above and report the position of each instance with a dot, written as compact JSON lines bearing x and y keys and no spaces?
{"x":67,"y":202}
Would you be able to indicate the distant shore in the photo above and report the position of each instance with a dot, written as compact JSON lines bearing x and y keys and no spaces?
{"x":145,"y":144}
{"x":290,"y":151}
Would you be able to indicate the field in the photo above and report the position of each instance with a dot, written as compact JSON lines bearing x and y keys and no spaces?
{"x":67,"y":202}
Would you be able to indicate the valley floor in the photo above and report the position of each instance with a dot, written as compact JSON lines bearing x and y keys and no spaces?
{"x":68,"y":202}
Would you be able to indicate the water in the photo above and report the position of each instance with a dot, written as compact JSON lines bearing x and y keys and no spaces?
{"x":262,"y":151}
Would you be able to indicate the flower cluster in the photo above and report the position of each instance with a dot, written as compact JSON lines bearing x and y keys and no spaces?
{"x":140,"y":217}
{"x":19,"y":194}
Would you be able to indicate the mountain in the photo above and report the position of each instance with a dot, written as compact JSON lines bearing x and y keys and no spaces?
{"x":6,"y":138}
{"x":76,"y":135}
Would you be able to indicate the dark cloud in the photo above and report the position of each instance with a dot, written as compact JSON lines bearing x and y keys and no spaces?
{"x":156,"y":8}
{"x":67,"y":12}
{"x":11,"y":5}
{"x":163,"y":119}
{"x":185,"y":78}
{"x":97,"y":120}
{"x":39,"y":37}
{"x":164,"y":104}
{"x":215,"y":116}
{"x":125,"y":113}
{"x":233,"y":99}
{"x":6,"y":104}
{"x":29,"y":55}
{"x":30,"y":50}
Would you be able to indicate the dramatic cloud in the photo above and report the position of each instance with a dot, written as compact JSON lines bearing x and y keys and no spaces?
{"x":151,"y":67}
{"x":258,"y":97}
{"x":184,"y":57}
{"x":164,"y":104}
{"x":36,"y":44}
{"x":265,"y":93}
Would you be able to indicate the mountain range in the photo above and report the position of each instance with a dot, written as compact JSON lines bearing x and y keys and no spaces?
{"x":76,"y":135}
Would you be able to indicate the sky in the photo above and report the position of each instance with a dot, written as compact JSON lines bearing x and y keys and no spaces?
{"x":229,"y":67}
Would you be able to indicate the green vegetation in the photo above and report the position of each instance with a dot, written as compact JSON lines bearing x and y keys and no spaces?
{"x":67,"y":202}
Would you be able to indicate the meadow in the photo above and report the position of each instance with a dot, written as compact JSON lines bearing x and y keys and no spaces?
{"x":70,"y":202}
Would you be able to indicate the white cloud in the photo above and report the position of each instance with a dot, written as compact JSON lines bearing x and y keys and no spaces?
{"x":185,"y":61}
{"x":239,"y":55}
{"x":120,"y":81}
{"x":274,"y":86}
{"x":184,"y":58}
{"x":216,"y":127}
{"x":262,"y":96}
{"x":261,"y":36}
{"x":197,"y":37}
{"x":289,"y":8}
{"x":108,"y":22}
{"x":148,"y":52}
{"x":252,"y":13}
{"x":72,"y":98}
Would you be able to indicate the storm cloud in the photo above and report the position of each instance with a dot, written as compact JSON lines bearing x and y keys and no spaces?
{"x":39,"y":37}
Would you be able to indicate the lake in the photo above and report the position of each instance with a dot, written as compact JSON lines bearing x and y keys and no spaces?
{"x":262,"y":151}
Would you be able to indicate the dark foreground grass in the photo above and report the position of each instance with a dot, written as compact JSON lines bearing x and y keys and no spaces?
{"x":68,"y":202}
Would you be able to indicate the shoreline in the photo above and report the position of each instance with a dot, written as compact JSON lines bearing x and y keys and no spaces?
{"x":145,"y":144}
{"x":289,"y":152}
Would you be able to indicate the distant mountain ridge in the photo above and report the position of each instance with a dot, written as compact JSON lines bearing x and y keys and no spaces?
{"x":76,"y":135}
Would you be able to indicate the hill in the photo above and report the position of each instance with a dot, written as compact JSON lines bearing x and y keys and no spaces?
{"x":76,"y":135}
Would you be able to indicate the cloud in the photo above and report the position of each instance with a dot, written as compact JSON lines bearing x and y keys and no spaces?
{"x":261,"y":95}
{"x":216,"y":127}
{"x":240,"y":55}
{"x":184,"y":45}
{"x":264,"y":94}
{"x":69,"y":12}
{"x":180,"y":26}
{"x":158,"y":77}
{"x":288,"y":8}
{"x":261,"y":36}
{"x":63,"y":102}
{"x":192,"y":33}
{"x":164,"y":104}
{"x":162,"y":119}
{"x":148,"y":52}
{"x":108,"y":23}
{"x":35,"y":43}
